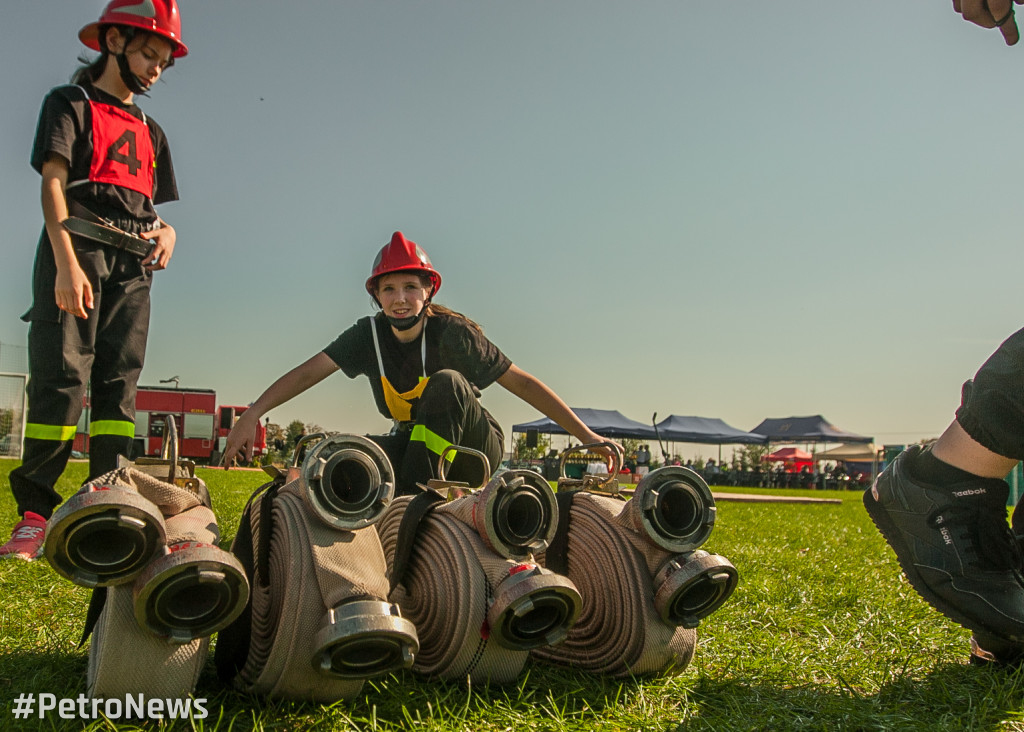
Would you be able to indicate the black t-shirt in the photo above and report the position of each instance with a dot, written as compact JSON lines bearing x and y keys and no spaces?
{"x":65,"y":128}
{"x":452,"y":343}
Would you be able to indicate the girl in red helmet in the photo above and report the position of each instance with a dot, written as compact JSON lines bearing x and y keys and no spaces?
{"x":104,"y":166}
{"x":426,"y":365}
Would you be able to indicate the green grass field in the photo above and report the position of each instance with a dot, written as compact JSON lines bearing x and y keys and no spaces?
{"x":823,"y":633}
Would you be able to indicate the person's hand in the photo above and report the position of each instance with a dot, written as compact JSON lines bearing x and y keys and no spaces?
{"x":73,"y":291}
{"x":240,"y":439}
{"x":991,"y":14}
{"x":608,"y":452}
{"x":163,"y":247}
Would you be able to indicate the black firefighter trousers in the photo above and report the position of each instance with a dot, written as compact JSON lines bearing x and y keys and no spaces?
{"x":447,"y":413}
{"x":992,"y":405}
{"x":66,"y":354}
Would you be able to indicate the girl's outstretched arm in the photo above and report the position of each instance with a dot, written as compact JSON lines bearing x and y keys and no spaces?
{"x":537,"y":394}
{"x":289,"y":386}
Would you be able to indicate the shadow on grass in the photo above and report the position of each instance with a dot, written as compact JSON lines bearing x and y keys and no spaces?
{"x":55,"y":672}
{"x":542,"y":696}
{"x":951,"y":697}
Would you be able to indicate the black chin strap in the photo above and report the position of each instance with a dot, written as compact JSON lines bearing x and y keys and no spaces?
{"x":411,"y":321}
{"x":130,"y":80}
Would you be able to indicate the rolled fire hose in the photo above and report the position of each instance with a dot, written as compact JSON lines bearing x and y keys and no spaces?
{"x":318,"y":623}
{"x":152,"y":635}
{"x":463,"y":572}
{"x":644,"y":584}
{"x":148,"y":636}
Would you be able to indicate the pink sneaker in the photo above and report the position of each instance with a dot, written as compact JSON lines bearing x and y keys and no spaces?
{"x":27,"y":539}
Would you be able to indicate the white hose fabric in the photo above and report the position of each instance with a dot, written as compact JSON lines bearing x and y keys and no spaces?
{"x":453,"y":587}
{"x":125,"y":658}
{"x":619,"y":632}
{"x":309,"y":569}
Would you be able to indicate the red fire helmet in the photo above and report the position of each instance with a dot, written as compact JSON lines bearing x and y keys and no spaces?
{"x":398,"y":255}
{"x":154,"y":16}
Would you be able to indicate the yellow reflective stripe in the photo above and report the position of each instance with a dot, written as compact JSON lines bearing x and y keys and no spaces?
{"x":116,"y":427}
{"x":56,"y":432}
{"x":435,"y":443}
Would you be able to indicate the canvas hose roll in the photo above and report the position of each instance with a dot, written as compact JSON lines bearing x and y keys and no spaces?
{"x":161,"y":584}
{"x":462,"y":569}
{"x":645,"y":585}
{"x":318,"y":623}
{"x":151,"y":635}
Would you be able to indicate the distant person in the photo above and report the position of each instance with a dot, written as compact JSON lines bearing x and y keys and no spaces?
{"x":426,"y":365}
{"x":105,"y":166}
{"x":643,"y":460}
{"x":942,"y":508}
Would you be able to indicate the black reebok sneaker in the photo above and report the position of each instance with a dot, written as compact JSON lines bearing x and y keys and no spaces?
{"x":954,"y":545}
{"x":989,"y":649}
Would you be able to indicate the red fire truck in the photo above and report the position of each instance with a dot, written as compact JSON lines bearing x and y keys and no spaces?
{"x":202,"y":426}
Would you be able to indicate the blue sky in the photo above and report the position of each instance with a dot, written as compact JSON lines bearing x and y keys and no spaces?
{"x":752,"y":211}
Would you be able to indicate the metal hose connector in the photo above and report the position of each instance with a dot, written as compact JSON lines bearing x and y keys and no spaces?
{"x":675,"y":508}
{"x":690,"y":587}
{"x":348,"y":481}
{"x":192,"y":591}
{"x":516,"y":514}
{"x":104,"y":535}
{"x":362,"y":639}
{"x":533,"y":607}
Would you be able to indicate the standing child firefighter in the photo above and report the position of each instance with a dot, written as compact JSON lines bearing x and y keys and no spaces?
{"x":104,"y":166}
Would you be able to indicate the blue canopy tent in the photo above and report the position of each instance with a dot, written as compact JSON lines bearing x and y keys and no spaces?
{"x":809,"y":429}
{"x":707,"y":431}
{"x":605,"y":422}
{"x":805,"y":429}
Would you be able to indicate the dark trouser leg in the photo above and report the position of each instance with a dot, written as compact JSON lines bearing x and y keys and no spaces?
{"x":58,"y":364}
{"x":992,"y":406}
{"x":448,"y":413}
{"x":120,"y":351}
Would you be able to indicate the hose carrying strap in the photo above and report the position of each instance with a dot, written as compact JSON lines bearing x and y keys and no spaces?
{"x":233,"y":641}
{"x":301,"y":569}
{"x":415,"y":511}
{"x":446,"y":589}
{"x":619,"y":632}
{"x":557,"y":554}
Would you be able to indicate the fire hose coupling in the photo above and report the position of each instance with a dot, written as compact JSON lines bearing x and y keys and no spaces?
{"x":361,"y":639}
{"x":192,"y":591}
{"x":515,"y":513}
{"x":691,"y":587}
{"x":533,"y":607}
{"x":348,"y":481}
{"x":674,"y":506}
{"x":104,"y":535}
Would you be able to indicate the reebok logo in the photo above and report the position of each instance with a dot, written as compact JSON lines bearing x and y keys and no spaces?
{"x":970,"y":492}
{"x":945,"y":536}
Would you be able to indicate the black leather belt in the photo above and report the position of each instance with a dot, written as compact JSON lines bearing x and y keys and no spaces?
{"x":85,"y":223}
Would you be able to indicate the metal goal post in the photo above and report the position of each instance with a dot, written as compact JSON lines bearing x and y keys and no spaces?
{"x":13,"y":408}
